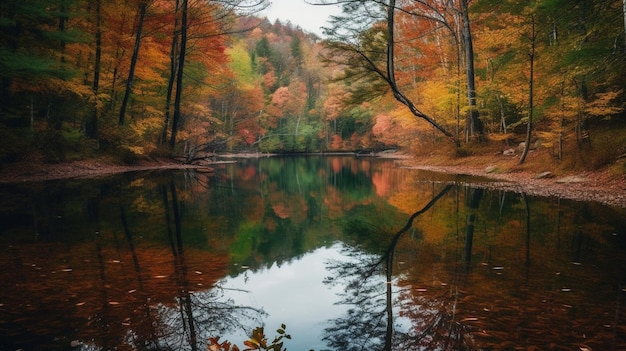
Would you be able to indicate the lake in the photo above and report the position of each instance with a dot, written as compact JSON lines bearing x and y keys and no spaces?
{"x":348,"y":253}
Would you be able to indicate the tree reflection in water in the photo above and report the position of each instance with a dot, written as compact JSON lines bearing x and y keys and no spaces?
{"x":367,"y":325}
{"x":198,"y":315}
{"x":480,"y":269}
{"x":111,"y":291}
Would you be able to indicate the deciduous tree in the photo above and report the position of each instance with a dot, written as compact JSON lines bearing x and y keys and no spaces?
{"x":364,"y":41}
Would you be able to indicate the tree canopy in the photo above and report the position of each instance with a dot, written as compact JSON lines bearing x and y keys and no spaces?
{"x":80,"y":78}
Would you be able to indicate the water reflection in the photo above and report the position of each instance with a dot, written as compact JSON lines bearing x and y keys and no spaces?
{"x":167,"y":260}
{"x":100,"y":277}
{"x":366,"y":325}
{"x":292,"y":293}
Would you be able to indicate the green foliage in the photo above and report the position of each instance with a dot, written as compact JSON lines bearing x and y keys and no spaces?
{"x":29,"y":35}
{"x":296,"y":50}
{"x":195,"y":74}
{"x":241,"y":63}
{"x":360,"y":74}
{"x":308,"y":137}
{"x":258,"y":340}
{"x":263,"y":48}
{"x":356,"y":120}
{"x":271,"y":144}
{"x":25,"y":64}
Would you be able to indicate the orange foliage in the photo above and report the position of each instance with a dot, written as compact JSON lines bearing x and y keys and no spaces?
{"x":335,"y":102}
{"x":336,"y":142}
{"x":269,"y":79}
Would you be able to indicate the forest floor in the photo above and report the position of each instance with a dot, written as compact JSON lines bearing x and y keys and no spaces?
{"x":604,"y":186}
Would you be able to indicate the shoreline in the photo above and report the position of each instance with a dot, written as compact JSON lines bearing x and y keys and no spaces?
{"x":590,"y":186}
{"x":597,"y":186}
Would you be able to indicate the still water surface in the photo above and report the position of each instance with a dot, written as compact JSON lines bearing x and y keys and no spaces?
{"x":349,"y":253}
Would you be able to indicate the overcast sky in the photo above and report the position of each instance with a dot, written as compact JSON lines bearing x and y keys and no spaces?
{"x":298,"y":12}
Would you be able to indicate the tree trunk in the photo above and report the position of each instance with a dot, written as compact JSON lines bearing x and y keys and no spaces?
{"x":458,"y":82}
{"x":179,"y":76}
{"x":527,"y":207}
{"x":131,"y":246}
{"x":295,"y":137}
{"x":143,"y":5}
{"x":390,"y":76}
{"x":474,"y":125}
{"x":62,"y":20}
{"x":624,"y":14}
{"x":170,"y":82}
{"x":91,"y":125}
{"x":472,"y":199}
{"x":503,"y":127}
{"x":469,"y":240}
{"x":32,"y":114}
{"x":531,"y":56}
{"x":560,"y":151}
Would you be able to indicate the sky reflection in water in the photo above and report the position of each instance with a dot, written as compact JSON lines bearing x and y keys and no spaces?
{"x":293,"y":294}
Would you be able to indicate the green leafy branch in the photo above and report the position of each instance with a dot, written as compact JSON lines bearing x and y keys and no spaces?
{"x":258,"y":341}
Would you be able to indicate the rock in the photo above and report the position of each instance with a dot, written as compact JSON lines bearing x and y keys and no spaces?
{"x":508,"y":152}
{"x":491,"y":169}
{"x":544,"y":175}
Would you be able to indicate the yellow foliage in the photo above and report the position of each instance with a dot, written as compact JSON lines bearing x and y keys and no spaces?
{"x":500,"y":137}
{"x":144,"y":132}
{"x":567,"y":108}
{"x":441,"y":101}
{"x":137,"y":150}
{"x":152,"y":111}
{"x":602,"y":106}
{"x":70,"y":86}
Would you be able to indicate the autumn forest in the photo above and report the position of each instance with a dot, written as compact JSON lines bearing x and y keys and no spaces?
{"x":184,"y":78}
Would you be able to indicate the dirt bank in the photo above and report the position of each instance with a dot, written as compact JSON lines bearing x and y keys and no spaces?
{"x":600,"y":186}
{"x":36,"y":171}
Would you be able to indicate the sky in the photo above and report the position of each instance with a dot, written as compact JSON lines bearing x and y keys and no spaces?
{"x":299,"y":13}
